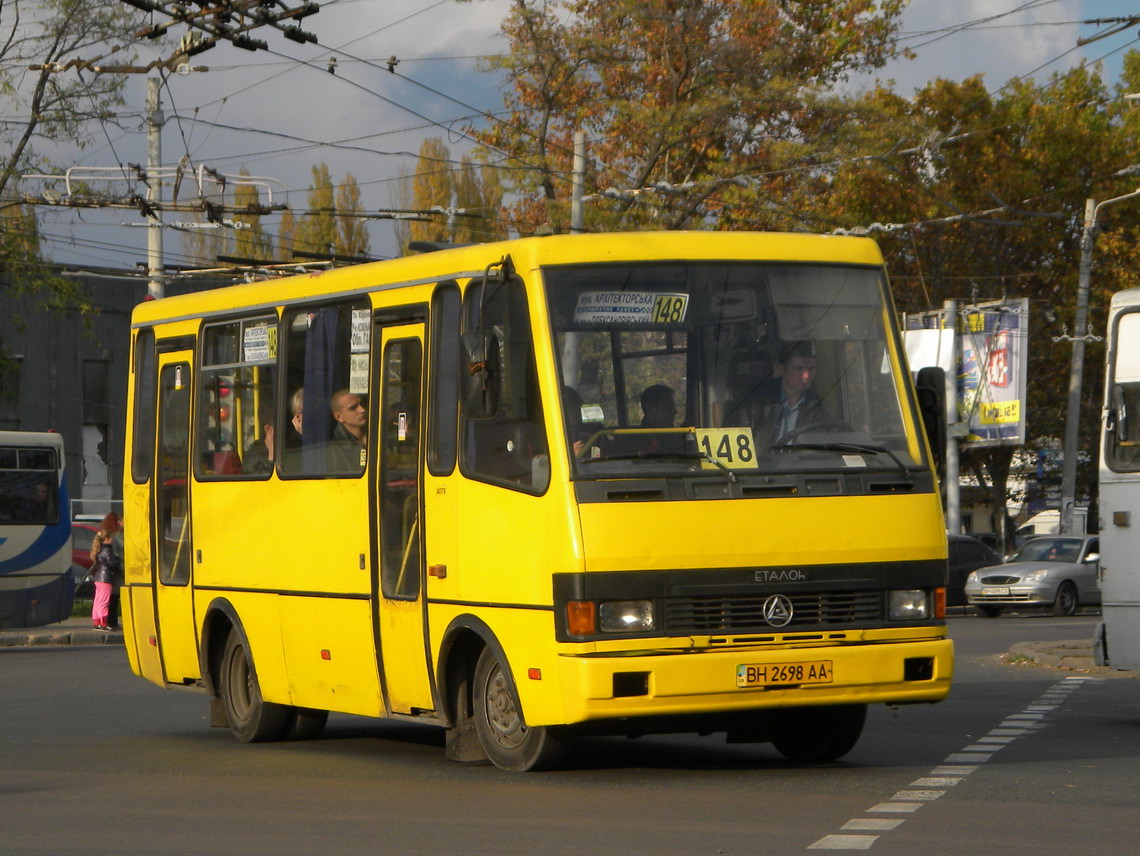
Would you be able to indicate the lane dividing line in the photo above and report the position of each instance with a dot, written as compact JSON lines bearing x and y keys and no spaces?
{"x":860,"y":833}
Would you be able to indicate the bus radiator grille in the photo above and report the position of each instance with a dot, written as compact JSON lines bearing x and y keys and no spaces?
{"x":743,"y":614}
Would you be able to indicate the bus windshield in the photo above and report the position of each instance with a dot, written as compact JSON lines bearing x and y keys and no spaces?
{"x":711,"y":368}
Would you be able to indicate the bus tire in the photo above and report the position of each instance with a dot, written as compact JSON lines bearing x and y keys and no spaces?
{"x":251,"y":718}
{"x":306,"y":723}
{"x":504,"y":735}
{"x":817,"y":735}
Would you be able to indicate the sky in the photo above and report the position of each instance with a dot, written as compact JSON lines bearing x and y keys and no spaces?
{"x":276,"y":113}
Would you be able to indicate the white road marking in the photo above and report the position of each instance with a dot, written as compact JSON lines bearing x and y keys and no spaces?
{"x":957,"y":766}
{"x":844,"y":842}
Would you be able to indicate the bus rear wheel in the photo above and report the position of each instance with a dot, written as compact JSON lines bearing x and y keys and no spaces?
{"x":306,"y":723}
{"x":816,"y":735}
{"x":250,"y":717}
{"x":503,"y":733}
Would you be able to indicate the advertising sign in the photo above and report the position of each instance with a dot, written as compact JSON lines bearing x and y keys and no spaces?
{"x":992,"y":371}
{"x":989,"y":361}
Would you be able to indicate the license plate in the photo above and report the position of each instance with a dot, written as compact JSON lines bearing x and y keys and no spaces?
{"x":775,"y":674}
{"x":995,"y":589}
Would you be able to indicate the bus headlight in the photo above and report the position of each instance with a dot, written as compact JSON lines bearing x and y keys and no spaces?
{"x":625,"y":616}
{"x":908,"y":604}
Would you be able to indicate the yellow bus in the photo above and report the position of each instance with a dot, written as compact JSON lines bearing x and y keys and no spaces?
{"x":607,"y":484}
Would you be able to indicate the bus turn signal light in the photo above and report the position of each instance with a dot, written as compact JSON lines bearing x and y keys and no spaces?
{"x":940,"y":603}
{"x":581,"y":618}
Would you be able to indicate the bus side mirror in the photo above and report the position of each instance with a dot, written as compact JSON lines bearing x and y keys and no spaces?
{"x":930,"y":386}
{"x":481,"y":375}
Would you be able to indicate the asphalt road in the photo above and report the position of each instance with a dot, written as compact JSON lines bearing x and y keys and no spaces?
{"x":1020,"y":759}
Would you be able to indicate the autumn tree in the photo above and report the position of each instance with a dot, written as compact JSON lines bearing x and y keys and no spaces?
{"x":459,"y":204}
{"x":689,"y":105}
{"x":351,"y":235}
{"x":44,"y":105}
{"x":332,"y":224}
{"x":250,"y":240}
{"x":316,"y":228}
{"x":479,"y":196}
{"x":976,"y":196}
{"x":432,"y":188}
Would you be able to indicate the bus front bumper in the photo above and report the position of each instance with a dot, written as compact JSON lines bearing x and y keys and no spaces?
{"x":737,"y":679}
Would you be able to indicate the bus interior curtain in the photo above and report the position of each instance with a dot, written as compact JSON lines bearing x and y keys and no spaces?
{"x":320,"y":353}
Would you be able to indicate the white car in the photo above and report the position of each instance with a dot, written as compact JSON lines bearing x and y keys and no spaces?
{"x":1061,"y":571}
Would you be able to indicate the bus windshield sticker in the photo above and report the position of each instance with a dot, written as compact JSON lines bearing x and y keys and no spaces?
{"x":358,"y":374}
{"x":256,"y":344}
{"x":361,"y":330}
{"x":630,"y":307}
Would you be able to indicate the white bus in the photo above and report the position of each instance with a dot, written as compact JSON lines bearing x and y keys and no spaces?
{"x":36,"y":583}
{"x":1117,"y":642}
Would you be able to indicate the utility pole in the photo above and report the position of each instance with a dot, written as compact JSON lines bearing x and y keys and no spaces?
{"x":577,"y":214}
{"x":954,"y":429}
{"x":154,"y":120}
{"x":1077,"y":366}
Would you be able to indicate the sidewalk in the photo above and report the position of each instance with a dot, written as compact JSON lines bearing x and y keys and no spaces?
{"x":72,"y":631}
{"x":1073,"y":655}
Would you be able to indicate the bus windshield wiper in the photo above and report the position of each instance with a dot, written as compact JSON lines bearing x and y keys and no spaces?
{"x":846,"y":447}
{"x":655,"y":454}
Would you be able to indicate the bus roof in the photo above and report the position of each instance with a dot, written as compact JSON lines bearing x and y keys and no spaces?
{"x":526,"y":254}
{"x":31,"y":438}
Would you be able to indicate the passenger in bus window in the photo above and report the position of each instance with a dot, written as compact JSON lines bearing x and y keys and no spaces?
{"x":346,"y":452}
{"x":787,"y":403}
{"x":659,"y":410}
{"x":259,"y":456}
{"x":298,"y":408}
{"x":37,"y":506}
{"x":658,"y":406}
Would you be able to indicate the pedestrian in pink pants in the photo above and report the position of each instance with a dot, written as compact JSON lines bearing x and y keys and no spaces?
{"x":103,"y":569}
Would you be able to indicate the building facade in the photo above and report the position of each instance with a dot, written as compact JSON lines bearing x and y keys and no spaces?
{"x":67,"y":371}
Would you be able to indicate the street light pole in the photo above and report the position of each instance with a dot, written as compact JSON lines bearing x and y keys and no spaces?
{"x":1076,"y":370}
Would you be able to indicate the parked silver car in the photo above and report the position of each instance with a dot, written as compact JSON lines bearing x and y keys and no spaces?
{"x":1062,"y":571}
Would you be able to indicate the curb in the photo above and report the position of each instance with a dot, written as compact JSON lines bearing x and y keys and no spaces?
{"x":39,"y":637}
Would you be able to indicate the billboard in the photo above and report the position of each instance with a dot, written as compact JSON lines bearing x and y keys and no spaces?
{"x":990,"y":364}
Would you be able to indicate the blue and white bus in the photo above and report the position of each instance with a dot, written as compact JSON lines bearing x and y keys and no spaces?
{"x":36,"y":583}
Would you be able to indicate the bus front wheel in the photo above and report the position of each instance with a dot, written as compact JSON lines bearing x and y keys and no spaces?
{"x":504,"y":735}
{"x":250,"y":717}
{"x":816,"y":735}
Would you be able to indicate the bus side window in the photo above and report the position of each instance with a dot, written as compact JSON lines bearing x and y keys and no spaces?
{"x":1124,"y":440}
{"x":443,"y":391}
{"x":236,"y":413}
{"x":146,"y":378}
{"x":510,"y":446}
{"x":326,"y":353}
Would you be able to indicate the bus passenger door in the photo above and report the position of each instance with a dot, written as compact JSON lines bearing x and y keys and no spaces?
{"x":170,"y":527}
{"x":402,"y":614}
